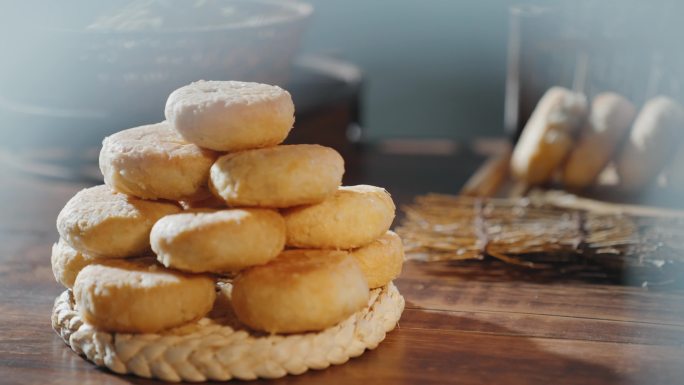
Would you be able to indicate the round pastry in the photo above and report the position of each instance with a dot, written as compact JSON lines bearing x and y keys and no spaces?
{"x":230,"y":115}
{"x":280,"y":176}
{"x":353,"y":217}
{"x":655,"y":133}
{"x":381,"y":260}
{"x":67,"y":262}
{"x":609,"y":120}
{"x":547,"y":138}
{"x":155,"y":162}
{"x":219,"y":241}
{"x":300,"y":291}
{"x":107,"y":224}
{"x":140,"y":296}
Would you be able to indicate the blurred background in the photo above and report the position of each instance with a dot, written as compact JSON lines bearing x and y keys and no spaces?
{"x":407,"y":76}
{"x":442,"y":62}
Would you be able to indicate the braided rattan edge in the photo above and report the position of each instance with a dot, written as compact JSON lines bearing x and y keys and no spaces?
{"x":208,"y":350}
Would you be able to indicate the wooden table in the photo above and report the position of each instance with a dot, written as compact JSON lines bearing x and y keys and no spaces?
{"x":462,"y":324}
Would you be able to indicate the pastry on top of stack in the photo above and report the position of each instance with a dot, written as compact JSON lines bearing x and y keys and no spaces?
{"x":212,"y":190}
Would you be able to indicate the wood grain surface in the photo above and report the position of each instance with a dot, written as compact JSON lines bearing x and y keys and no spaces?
{"x":463,"y":323}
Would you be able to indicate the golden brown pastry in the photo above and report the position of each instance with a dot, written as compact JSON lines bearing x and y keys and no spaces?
{"x":381,"y":260}
{"x":230,"y":115}
{"x":609,"y":121}
{"x":107,"y":224}
{"x":140,"y":296}
{"x":67,"y":262}
{"x":218,"y":241}
{"x":300,"y":291}
{"x":155,"y":162}
{"x":281,"y":176}
{"x":353,"y":217}
{"x":548,"y":136}
{"x":655,"y":134}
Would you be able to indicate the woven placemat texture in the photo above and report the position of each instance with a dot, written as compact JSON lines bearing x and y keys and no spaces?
{"x":216,"y":349}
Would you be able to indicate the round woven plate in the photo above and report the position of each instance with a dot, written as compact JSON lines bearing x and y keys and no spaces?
{"x":219,"y":349}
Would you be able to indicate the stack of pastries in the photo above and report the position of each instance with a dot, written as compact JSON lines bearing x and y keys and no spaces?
{"x":573,"y":141}
{"x":211,"y":192}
